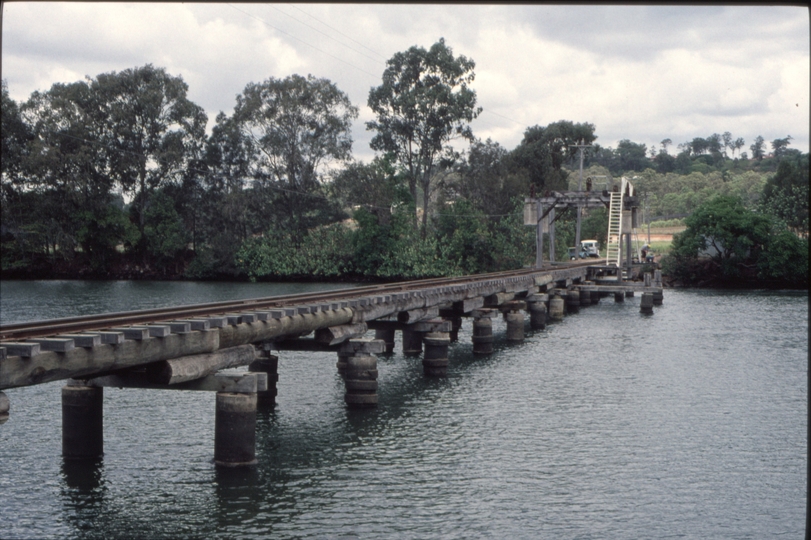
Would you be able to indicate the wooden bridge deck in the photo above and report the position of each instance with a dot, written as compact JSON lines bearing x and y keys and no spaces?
{"x":188,"y":347}
{"x":36,"y":353}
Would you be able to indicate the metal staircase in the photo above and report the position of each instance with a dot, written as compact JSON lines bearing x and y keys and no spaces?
{"x":614,"y":228}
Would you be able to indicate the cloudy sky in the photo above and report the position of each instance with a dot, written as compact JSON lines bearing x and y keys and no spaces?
{"x":642,"y":73}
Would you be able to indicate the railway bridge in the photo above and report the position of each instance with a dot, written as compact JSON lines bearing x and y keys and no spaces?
{"x":206,"y":347}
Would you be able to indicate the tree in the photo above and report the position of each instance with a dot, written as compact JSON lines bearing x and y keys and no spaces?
{"x":374,"y":186}
{"x":779,"y":146}
{"x":665,"y":163}
{"x":294,"y":129}
{"x":714,"y":143}
{"x":149,"y":129}
{"x":484,"y":179}
{"x":727,"y":139}
{"x":785,"y":194}
{"x":15,"y":138}
{"x":632,"y":156}
{"x":424,"y":103}
{"x":738,"y":144}
{"x":665,"y":143}
{"x":544,"y":150}
{"x":757,"y":148}
{"x":69,"y":170}
{"x":699,"y":145}
{"x":733,"y":235}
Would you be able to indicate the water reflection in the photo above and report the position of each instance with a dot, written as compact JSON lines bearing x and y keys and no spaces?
{"x":83,"y":492}
{"x":83,"y":476}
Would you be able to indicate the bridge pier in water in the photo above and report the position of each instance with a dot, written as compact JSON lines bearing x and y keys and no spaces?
{"x":515,"y":320}
{"x":5,"y":405}
{"x":387,"y":336}
{"x":483,"y":331}
{"x":268,"y":364}
{"x":536,"y":305}
{"x":360,"y":375}
{"x":435,"y":361}
{"x":412,"y":342}
{"x":235,"y":429}
{"x":82,"y":421}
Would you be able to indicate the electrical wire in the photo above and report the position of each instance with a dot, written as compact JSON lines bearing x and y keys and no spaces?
{"x":302,"y":41}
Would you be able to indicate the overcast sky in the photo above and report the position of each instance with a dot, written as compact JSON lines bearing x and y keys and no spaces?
{"x":642,"y":73}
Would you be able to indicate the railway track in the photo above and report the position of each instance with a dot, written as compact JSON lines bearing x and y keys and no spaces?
{"x":73,"y":325}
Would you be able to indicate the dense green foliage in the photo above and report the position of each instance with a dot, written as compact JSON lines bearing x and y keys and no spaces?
{"x":115,"y":176}
{"x":425,"y":101}
{"x":727,"y":244}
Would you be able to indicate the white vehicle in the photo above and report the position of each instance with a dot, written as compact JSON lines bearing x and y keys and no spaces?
{"x":591,"y":248}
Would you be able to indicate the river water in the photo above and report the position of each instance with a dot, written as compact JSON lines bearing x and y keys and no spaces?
{"x":691,"y":423}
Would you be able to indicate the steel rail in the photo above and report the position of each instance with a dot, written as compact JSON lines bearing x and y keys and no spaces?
{"x":51,"y":327}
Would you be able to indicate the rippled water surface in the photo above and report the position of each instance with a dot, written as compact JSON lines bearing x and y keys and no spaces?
{"x":690,"y":423}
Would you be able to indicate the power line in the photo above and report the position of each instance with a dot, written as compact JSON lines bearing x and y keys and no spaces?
{"x":322,"y":33}
{"x":336,"y":30}
{"x":335,"y":57}
{"x":302,"y":41}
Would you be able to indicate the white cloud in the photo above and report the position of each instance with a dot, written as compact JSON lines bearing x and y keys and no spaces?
{"x":642,"y":73}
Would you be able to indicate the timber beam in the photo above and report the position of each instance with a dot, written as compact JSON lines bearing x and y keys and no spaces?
{"x":236,"y":383}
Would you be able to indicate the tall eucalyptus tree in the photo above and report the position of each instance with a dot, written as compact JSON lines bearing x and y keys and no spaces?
{"x":425,"y":102}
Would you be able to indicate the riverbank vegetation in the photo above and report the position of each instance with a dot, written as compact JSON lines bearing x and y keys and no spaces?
{"x":116,"y":176}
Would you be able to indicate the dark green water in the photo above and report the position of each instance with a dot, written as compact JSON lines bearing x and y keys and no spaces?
{"x":690,"y":423}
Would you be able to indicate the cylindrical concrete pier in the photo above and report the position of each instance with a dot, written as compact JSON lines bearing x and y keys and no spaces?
{"x":5,"y":405}
{"x":556,"y":308}
{"x":537,"y":315}
{"x":658,"y":297}
{"x":456,"y":325}
{"x":646,"y":304}
{"x":82,"y":422}
{"x":515,"y":326}
{"x":268,"y":364}
{"x":595,"y":297}
{"x":573,"y":301}
{"x":342,"y":363}
{"x":482,"y":336}
{"x":619,"y":297}
{"x":435,"y":361}
{"x":412,"y":343}
{"x":235,"y":429}
{"x":647,"y":279}
{"x":388,"y":337}
{"x":585,"y":298}
{"x":360,"y":379}
{"x":629,"y":294}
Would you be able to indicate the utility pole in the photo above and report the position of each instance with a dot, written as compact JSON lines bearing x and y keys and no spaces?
{"x":580,"y":147}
